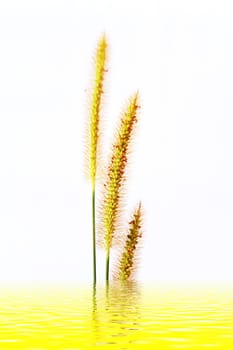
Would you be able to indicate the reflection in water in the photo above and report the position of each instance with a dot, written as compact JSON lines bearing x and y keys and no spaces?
{"x":123,"y":316}
{"x":121,"y":313}
{"x":95,"y":320}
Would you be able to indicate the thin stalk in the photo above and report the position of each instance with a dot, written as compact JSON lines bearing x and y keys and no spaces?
{"x":93,"y":233}
{"x":107,"y":266}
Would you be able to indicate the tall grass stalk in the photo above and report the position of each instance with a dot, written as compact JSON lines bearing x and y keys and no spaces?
{"x":94,"y":132}
{"x":116,"y":176}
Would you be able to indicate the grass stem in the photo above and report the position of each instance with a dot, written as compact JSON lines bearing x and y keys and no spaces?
{"x":93,"y":233}
{"x":107,"y":266}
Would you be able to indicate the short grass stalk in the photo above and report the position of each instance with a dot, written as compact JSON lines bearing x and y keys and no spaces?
{"x":126,"y":265}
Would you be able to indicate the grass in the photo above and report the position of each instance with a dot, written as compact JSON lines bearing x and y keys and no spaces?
{"x":115,"y":176}
{"x":94,"y":131}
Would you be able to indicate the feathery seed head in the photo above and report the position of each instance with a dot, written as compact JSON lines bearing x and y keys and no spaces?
{"x":116,"y":171}
{"x":93,"y":134}
{"x":126,"y":265}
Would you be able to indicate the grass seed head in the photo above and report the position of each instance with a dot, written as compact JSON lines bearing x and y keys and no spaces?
{"x":126,"y":266}
{"x":95,"y":108}
{"x":116,"y":176}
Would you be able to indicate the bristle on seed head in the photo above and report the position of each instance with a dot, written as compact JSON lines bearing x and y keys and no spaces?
{"x":112,"y":197}
{"x":96,"y":98}
{"x":126,"y":266}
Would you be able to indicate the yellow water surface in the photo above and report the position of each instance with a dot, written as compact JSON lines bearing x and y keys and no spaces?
{"x":128,"y":316}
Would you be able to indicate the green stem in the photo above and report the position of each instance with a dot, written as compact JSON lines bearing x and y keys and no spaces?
{"x":107,"y":266}
{"x":93,"y":233}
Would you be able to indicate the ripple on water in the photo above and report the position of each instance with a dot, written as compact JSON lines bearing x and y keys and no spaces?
{"x":121,"y":317}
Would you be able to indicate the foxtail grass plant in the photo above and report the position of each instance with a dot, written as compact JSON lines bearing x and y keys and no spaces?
{"x":112,"y":202}
{"x":126,"y":266}
{"x":94,"y":131}
{"x":112,"y":199}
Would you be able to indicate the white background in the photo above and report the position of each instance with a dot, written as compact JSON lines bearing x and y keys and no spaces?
{"x":179,"y":55}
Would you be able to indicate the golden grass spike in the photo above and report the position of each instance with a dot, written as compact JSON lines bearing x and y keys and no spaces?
{"x":100,"y":69}
{"x":126,"y":265}
{"x":116,"y":175}
{"x":93,"y":131}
